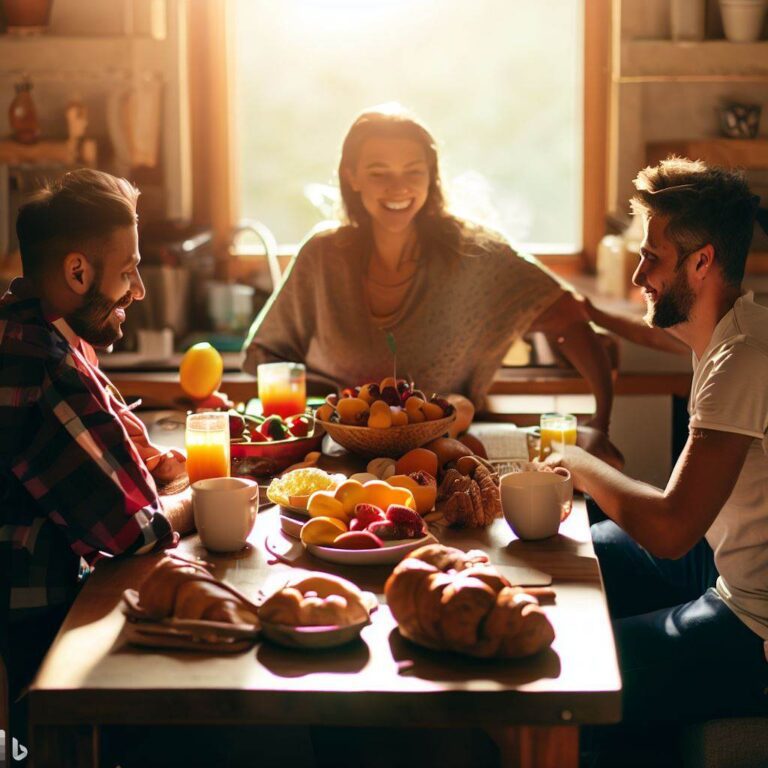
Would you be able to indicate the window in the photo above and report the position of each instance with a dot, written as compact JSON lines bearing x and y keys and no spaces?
{"x":499,"y":83}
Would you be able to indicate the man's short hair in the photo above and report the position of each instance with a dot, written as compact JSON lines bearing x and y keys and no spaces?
{"x":704,"y":205}
{"x":76,"y":213}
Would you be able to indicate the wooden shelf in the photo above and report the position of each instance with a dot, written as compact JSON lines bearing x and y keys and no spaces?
{"x":67,"y":55}
{"x":732,"y":153}
{"x":47,"y":152}
{"x":709,"y":61}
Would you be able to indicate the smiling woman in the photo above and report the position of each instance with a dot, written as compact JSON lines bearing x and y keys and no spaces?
{"x":484,"y":72}
{"x":453,"y":294}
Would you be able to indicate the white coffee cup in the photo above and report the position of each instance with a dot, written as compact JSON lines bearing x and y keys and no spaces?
{"x":225,"y":510}
{"x":534,"y":501}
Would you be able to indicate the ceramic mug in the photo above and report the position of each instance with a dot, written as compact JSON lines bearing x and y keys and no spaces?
{"x":534,"y":501}
{"x":225,"y":510}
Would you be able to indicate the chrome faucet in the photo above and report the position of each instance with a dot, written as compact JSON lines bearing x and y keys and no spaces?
{"x":264,"y":234}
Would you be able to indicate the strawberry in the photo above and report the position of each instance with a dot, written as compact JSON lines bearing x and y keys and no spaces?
{"x":367,"y":513}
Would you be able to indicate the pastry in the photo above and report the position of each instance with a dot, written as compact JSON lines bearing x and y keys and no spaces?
{"x":184,"y":589}
{"x":447,"y":599}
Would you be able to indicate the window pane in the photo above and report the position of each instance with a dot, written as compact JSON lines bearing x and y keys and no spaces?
{"x":499,"y":83}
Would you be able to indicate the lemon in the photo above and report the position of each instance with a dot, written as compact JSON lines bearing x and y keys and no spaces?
{"x":200,"y":371}
{"x":300,"y":482}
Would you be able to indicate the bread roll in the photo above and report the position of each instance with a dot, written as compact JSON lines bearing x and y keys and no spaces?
{"x":315,"y":600}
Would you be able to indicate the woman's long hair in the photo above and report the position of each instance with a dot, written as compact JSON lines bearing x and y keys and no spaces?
{"x":436,"y":227}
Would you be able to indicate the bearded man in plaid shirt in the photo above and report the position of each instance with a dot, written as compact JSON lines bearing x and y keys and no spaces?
{"x":77,"y":469}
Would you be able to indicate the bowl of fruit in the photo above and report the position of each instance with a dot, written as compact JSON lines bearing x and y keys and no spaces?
{"x":262,"y":446}
{"x":387,"y":418}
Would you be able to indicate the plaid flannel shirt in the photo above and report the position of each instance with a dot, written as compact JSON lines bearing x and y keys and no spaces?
{"x":72,"y":484}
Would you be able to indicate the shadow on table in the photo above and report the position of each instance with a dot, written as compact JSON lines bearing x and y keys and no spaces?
{"x":447,"y":667}
{"x":347,"y":659}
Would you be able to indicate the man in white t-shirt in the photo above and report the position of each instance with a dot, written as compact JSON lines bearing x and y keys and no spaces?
{"x":686,"y":567}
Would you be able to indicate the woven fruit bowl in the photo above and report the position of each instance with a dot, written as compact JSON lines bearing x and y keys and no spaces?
{"x":392,"y":441}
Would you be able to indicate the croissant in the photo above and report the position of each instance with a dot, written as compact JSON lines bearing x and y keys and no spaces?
{"x":447,"y":599}
{"x":186,"y":590}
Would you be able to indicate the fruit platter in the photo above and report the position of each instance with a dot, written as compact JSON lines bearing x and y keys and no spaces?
{"x":386,"y":418}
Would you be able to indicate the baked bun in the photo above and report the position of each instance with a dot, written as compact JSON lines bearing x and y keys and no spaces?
{"x":447,"y":599}
{"x":316,"y":600}
{"x":184,"y":589}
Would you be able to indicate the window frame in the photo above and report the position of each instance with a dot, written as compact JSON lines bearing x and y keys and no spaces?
{"x":214,"y":151}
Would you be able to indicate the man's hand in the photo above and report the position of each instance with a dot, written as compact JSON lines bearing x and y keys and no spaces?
{"x":596,"y":442}
{"x":557,"y":459}
{"x":167,"y":466}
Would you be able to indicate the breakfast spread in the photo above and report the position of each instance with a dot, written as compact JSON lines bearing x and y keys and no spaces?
{"x":316,"y":599}
{"x":442,"y":598}
{"x":446,"y":599}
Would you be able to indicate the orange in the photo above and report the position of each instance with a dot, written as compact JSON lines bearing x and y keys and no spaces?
{"x":200,"y":371}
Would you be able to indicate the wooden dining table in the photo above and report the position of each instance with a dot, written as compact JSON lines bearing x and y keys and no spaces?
{"x":93,"y":679}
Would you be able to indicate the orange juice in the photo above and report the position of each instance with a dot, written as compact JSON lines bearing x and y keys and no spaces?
{"x":207,"y":441}
{"x":556,"y":428}
{"x":282,"y":388}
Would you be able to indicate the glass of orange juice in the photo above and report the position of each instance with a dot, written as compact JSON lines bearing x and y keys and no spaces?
{"x":556,"y":428}
{"x":282,"y":388}
{"x":207,"y":440}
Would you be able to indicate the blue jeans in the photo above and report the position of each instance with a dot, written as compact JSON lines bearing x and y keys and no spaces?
{"x":684,"y":655}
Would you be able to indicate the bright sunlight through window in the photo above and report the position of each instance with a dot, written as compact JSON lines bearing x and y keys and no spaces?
{"x":498,"y":82}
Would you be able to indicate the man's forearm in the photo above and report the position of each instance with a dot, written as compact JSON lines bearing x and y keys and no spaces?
{"x":639,"y":508}
{"x":178,"y":509}
{"x":581,"y":345}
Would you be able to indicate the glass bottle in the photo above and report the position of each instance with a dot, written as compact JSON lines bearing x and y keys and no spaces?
{"x":22,"y":114}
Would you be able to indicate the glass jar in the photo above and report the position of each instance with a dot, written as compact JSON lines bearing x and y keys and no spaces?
{"x":22,"y":115}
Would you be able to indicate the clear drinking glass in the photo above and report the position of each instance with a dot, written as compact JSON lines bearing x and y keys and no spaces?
{"x":556,"y":428}
{"x":282,"y":388}
{"x":207,"y":441}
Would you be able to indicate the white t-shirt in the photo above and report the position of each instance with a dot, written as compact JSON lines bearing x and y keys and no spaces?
{"x":729,"y":393}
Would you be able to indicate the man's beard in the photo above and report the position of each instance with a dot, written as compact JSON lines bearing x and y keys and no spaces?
{"x":673,"y":306}
{"x":91,"y":321}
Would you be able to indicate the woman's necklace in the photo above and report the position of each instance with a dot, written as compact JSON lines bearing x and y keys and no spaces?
{"x":383,"y":275}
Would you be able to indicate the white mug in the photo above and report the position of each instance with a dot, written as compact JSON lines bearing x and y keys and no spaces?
{"x":534,"y":502}
{"x":225,"y":510}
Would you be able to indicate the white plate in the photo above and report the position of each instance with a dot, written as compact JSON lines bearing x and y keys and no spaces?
{"x":291,"y":526}
{"x":296,"y":510}
{"x":392,"y":552}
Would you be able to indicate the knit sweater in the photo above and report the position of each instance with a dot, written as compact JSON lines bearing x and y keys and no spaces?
{"x":457,"y":321}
